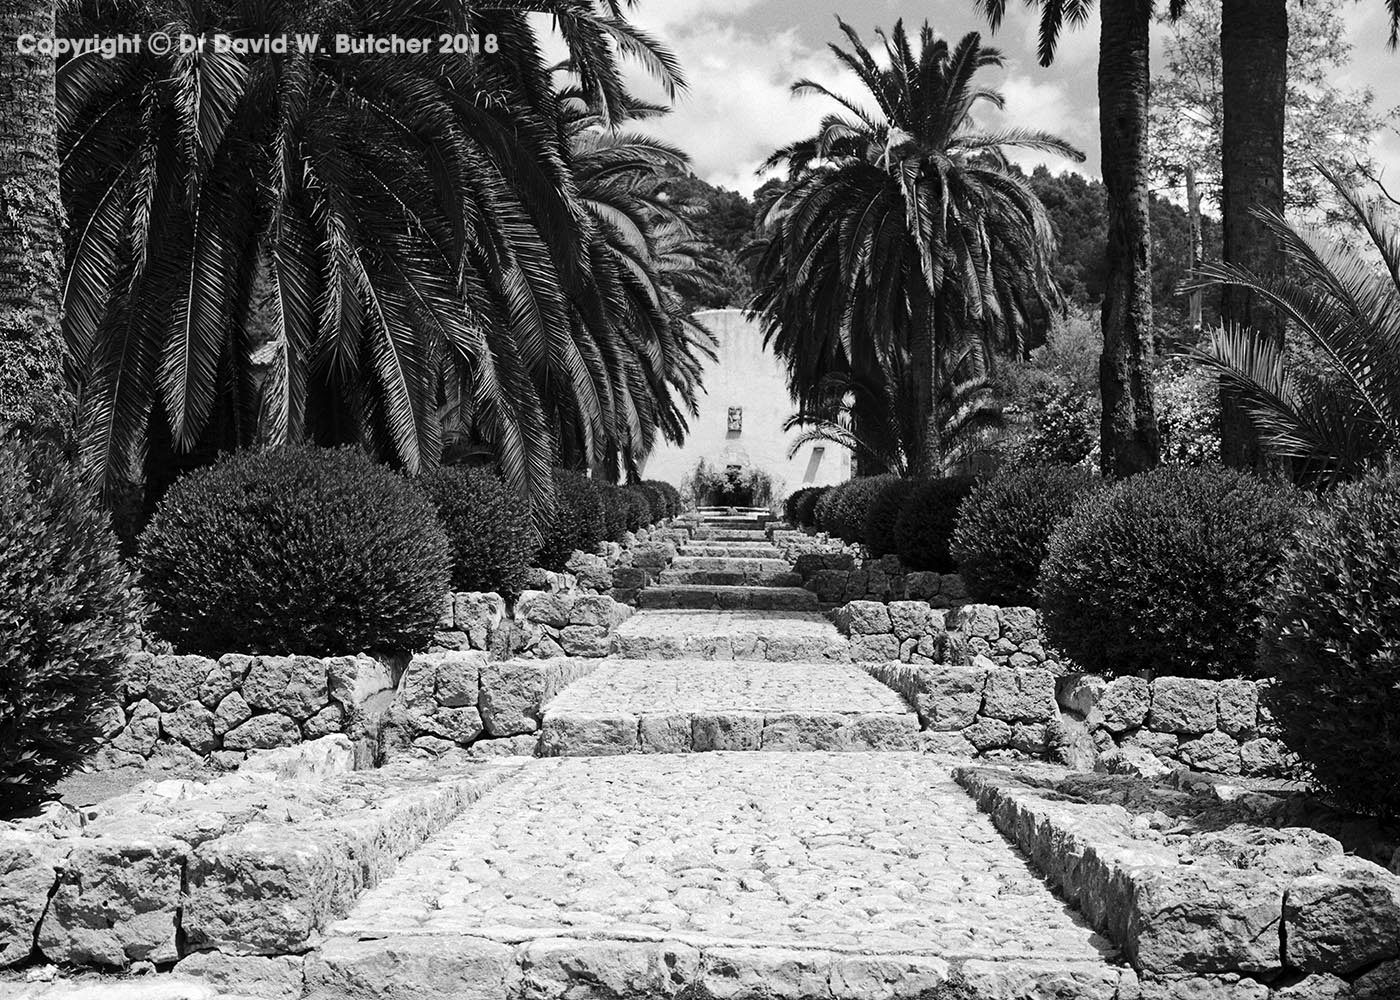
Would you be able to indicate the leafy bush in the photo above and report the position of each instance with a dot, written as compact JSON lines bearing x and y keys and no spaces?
{"x":791,"y":502}
{"x":731,"y":487}
{"x":655,"y":501}
{"x":295,"y":550}
{"x":670,"y":495}
{"x":1003,"y":529}
{"x":805,"y":509}
{"x":67,"y":620}
{"x":1332,"y":646}
{"x":1168,"y":572}
{"x":488,"y":529}
{"x":881,"y":515}
{"x":926,"y":521}
{"x":638,"y":509}
{"x":1187,"y":400}
{"x":579,"y":521}
{"x":616,"y":506}
{"x":853,"y":502}
{"x":824,"y":511}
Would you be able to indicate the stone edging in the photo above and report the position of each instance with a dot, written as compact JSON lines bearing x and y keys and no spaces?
{"x":1291,"y":917}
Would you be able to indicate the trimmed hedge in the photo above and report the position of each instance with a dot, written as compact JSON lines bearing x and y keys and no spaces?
{"x":68,"y":618}
{"x":1003,"y":529}
{"x":295,"y":550}
{"x":852,"y":505}
{"x":924,"y":527}
{"x":578,"y":522}
{"x":824,"y":511}
{"x":1332,"y":646}
{"x":670,"y":495}
{"x":616,"y":505}
{"x":655,"y":501}
{"x":1167,"y":572}
{"x":805,"y":509}
{"x":488,"y":529}
{"x":881,"y":515}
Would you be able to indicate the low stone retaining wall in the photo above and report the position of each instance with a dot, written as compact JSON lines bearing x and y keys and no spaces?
{"x":560,"y":621}
{"x":1237,"y":913}
{"x":960,"y":661}
{"x":837,"y":576}
{"x":246,"y":865}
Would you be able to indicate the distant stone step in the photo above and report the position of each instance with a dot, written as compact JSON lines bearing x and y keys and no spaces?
{"x":735,"y":550}
{"x":752,"y":535}
{"x":684,"y":706}
{"x":729,"y":578}
{"x":786,"y":636}
{"x":727,"y":598}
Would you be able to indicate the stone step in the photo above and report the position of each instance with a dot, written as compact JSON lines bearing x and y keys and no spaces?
{"x":752,"y":535}
{"x":727,"y":598}
{"x":680,"y":706}
{"x":855,"y":876}
{"x":728,"y":578}
{"x":788,"y":636}
{"x":736,"y":550}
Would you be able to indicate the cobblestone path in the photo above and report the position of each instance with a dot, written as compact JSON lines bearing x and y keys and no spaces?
{"x":638,"y":869}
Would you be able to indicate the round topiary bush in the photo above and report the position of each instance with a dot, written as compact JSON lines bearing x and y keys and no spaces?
{"x":1003,"y":529}
{"x":656,"y":501}
{"x":881,"y":515}
{"x":849,"y":509}
{"x":670,"y":496}
{"x":615,"y":509}
{"x":805,"y":509}
{"x":488,"y":529}
{"x":579,"y":521}
{"x":1332,"y":646}
{"x":638,"y":509}
{"x":824,"y":512}
{"x":1167,"y":572}
{"x":68,"y":619}
{"x":790,"y":503}
{"x":295,"y":550}
{"x":924,"y":527}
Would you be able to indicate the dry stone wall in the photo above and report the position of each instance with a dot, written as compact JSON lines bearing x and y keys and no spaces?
{"x":983,"y":679}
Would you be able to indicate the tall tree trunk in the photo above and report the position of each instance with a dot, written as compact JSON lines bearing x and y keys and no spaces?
{"x":1129,"y":428}
{"x":32,"y":390}
{"x":1193,"y":209}
{"x":923,"y":350}
{"x":1254,"y":89}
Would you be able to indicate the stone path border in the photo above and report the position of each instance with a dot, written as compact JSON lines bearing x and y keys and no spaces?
{"x":699,"y":634}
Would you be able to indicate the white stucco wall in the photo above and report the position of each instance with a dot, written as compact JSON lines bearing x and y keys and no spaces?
{"x":750,"y":377}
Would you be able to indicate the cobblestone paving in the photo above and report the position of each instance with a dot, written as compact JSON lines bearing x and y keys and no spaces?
{"x":726,"y":635}
{"x":833,"y":851}
{"x":680,"y":686}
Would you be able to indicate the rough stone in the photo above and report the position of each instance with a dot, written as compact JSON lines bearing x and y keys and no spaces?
{"x":267,"y":978}
{"x":1132,"y":760}
{"x":569,"y":969}
{"x":417,"y":967}
{"x":232,"y":712}
{"x":865,"y":618}
{"x":353,"y":680}
{"x":1123,"y":705}
{"x":457,"y":678}
{"x":727,"y":731}
{"x":914,"y":619}
{"x":1344,"y":918}
{"x":590,"y":736}
{"x":545,"y":608}
{"x":874,"y":648}
{"x":116,"y":902}
{"x":191,"y":724}
{"x":224,"y":677}
{"x":263,"y":732}
{"x":328,"y":720}
{"x":295,"y":686}
{"x":988,"y":734}
{"x":1214,"y":752}
{"x":142,"y":729}
{"x":1020,"y":695}
{"x":28,"y":866}
{"x":511,"y":694}
{"x":175,"y":680}
{"x":1183,"y":705}
{"x":585,"y":640}
{"x":1237,"y":707}
{"x":1263,"y":757}
{"x":460,"y":725}
{"x":1080,"y":693}
{"x":1029,"y":738}
{"x":1205,"y":920}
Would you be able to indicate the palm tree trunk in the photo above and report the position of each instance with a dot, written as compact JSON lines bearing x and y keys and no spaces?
{"x":32,"y":390}
{"x":1254,"y":89}
{"x":1193,"y":209}
{"x":1129,"y":427}
{"x":923,"y":357}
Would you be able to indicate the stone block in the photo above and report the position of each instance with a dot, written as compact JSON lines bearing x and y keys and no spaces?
{"x":29,"y":865}
{"x":914,"y":619}
{"x":1264,"y":758}
{"x":1029,"y":738}
{"x":591,"y":571}
{"x":885,"y":731}
{"x":585,"y":640}
{"x":545,"y":608}
{"x":278,"y":977}
{"x":727,"y":731}
{"x":412,"y":967}
{"x":353,"y":680}
{"x":804,"y":731}
{"x":1031,"y":979}
{"x":457,"y":680}
{"x":511,"y":694}
{"x":116,"y":902}
{"x":1205,"y":920}
{"x":263,"y":732}
{"x":1237,"y":703}
{"x":730,"y":973}
{"x":509,"y":746}
{"x":946,"y":744}
{"x":886,"y":977}
{"x":328,"y":720}
{"x":949,"y":697}
{"x":231,"y":713}
{"x":988,"y":734}
{"x":1020,"y":695}
{"x":1343,"y":918}
{"x":1214,"y":752}
{"x":976,"y":621}
{"x":864,"y":618}
{"x":142,"y":729}
{"x":875,"y":648}
{"x":665,"y":733}
{"x":174,"y":680}
{"x":191,"y":724}
{"x":478,"y":615}
{"x":579,"y":735}
{"x":596,"y":609}
{"x":1080,"y":693}
{"x":571,"y":969}
{"x":1183,"y":705}
{"x":311,"y":762}
{"x":460,"y":725}
{"x":1123,"y":705}
{"x":295,"y":686}
{"x":223,"y":678}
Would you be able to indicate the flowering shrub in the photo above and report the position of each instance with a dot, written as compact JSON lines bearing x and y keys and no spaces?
{"x":1187,"y":399}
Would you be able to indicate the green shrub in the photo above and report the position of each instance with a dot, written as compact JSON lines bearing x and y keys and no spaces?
{"x":616,"y":505}
{"x":925,"y":523}
{"x":655,"y":500}
{"x":578,"y":522}
{"x":1003,"y":529}
{"x":881,"y":515}
{"x":1332,"y":646}
{"x":67,"y":621}
{"x":488,"y":527}
{"x":638,"y":509}
{"x":851,"y":507}
{"x":790,"y":503}
{"x":670,"y":496}
{"x":1167,"y":572}
{"x":806,"y":507}
{"x":824,"y":512}
{"x":295,"y":550}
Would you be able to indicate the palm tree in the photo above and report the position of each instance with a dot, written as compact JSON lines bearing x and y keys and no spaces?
{"x":32,"y":390}
{"x":903,"y":236}
{"x":1332,"y":411}
{"x":1129,"y":427}
{"x":387,"y":234}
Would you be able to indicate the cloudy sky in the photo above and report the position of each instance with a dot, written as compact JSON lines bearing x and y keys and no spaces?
{"x":741,"y":56}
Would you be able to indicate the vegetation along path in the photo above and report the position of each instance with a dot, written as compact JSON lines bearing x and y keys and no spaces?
{"x":629,"y":865}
